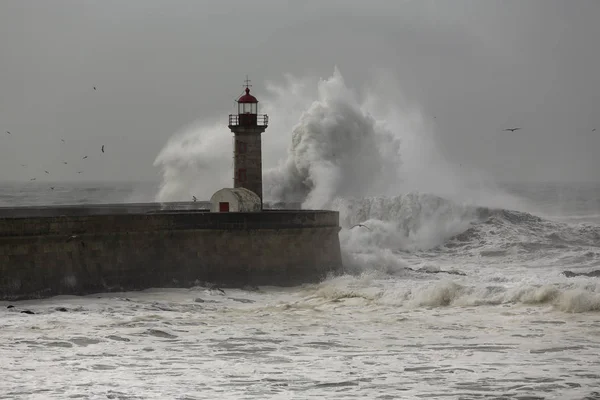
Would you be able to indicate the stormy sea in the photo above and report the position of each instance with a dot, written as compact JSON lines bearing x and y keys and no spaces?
{"x":454,"y":288}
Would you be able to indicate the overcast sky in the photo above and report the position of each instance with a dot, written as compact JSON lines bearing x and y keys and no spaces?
{"x":476,"y":66}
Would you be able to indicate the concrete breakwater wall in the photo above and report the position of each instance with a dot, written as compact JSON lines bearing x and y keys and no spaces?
{"x":59,"y":252}
{"x":101,"y":209}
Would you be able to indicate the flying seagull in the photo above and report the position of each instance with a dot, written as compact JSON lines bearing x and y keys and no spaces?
{"x":512,"y":129}
{"x":51,"y":187}
{"x":94,"y":87}
{"x":72,"y":237}
{"x":46,"y":172}
{"x":23,"y":165}
{"x":79,"y":172}
{"x":32,"y":179}
{"x":362,"y":226}
{"x":64,"y":162}
{"x":84,"y":157}
{"x":8,"y":132}
{"x":62,"y":140}
{"x":103,"y":148}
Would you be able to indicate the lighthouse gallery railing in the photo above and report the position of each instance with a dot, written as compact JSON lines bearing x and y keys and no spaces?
{"x":248,"y":120}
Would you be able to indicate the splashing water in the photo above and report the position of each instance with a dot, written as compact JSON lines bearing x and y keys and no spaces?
{"x":324,"y":141}
{"x":327,"y":144}
{"x":338,"y":149}
{"x":374,"y":159}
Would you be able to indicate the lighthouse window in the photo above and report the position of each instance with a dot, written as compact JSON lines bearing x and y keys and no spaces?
{"x":242,"y":175}
{"x":247,"y":108}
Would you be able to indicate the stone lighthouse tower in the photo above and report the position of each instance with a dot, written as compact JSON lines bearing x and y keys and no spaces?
{"x":247,"y":127}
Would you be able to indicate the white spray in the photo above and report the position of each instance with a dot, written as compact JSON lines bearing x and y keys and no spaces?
{"x":331,"y":147}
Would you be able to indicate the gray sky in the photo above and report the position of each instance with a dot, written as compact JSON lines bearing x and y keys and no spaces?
{"x":477,"y":66}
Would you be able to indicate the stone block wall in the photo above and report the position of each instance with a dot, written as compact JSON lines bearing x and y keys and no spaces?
{"x":45,"y":256}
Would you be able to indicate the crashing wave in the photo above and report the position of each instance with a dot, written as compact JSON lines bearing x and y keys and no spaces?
{"x":357,"y":154}
{"x":577,"y":297}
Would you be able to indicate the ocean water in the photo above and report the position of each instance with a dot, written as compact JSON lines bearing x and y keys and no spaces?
{"x":442,"y":300}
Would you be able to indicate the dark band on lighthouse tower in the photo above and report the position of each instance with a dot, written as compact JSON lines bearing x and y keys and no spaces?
{"x":247,"y":126}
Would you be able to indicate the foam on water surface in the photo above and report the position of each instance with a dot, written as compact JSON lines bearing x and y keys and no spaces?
{"x":350,"y":337}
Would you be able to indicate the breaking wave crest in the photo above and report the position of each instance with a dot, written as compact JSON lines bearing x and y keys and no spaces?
{"x":576,"y":297}
{"x":408,"y":222}
{"x":417,"y":221}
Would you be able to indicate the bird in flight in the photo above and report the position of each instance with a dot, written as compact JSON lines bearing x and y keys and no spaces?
{"x":362,"y":226}
{"x":64,"y":162}
{"x":32,"y":179}
{"x":103,"y":148}
{"x":84,"y":157}
{"x":51,"y":187}
{"x":62,"y":140}
{"x":8,"y":132}
{"x":94,"y":87}
{"x":46,"y":172}
{"x":512,"y":129}
{"x":594,"y":130}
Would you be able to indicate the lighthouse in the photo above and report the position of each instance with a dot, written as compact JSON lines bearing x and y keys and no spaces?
{"x":247,"y":126}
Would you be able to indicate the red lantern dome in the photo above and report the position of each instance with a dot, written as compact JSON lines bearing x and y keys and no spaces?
{"x":247,"y":98}
{"x":247,"y":104}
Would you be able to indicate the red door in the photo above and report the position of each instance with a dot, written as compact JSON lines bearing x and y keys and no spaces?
{"x":223,"y":206}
